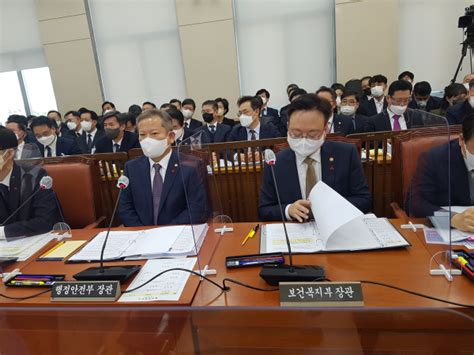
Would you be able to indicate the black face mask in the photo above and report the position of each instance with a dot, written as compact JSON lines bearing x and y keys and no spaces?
{"x":112,"y":133}
{"x":366,"y":91}
{"x":207,"y":117}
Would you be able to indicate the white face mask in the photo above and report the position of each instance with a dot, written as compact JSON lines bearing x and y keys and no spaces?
{"x":338,"y":101}
{"x":187,"y":113}
{"x":466,"y":85}
{"x":220,"y":112}
{"x":86,"y":126}
{"x":153,"y":148}
{"x":71,"y":125}
{"x":376,"y":91}
{"x":304,"y":146}
{"x":348,"y":110}
{"x":471,"y":101}
{"x":178,"y":133}
{"x":422,"y":103}
{"x":264,"y":99}
{"x":246,"y":120}
{"x":46,"y":140}
{"x":398,"y":110}
{"x":59,"y":122}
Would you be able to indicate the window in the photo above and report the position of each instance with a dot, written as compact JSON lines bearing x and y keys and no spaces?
{"x":12,"y":99}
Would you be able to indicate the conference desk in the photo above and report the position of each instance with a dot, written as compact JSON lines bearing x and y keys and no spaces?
{"x":244,"y":320}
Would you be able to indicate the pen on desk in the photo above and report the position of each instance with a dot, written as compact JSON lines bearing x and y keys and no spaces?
{"x":251,"y":234}
{"x":27,"y":283}
{"x":412,"y":226}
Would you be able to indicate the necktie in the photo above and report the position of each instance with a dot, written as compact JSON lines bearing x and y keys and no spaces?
{"x":213,"y":129}
{"x":310,"y":175}
{"x":186,"y":124}
{"x":27,"y":186}
{"x":48,"y":151}
{"x":89,"y":142}
{"x":354,"y":123}
{"x":157,"y":188}
{"x":396,"y":123}
{"x":253,"y":137}
{"x":116,"y":148}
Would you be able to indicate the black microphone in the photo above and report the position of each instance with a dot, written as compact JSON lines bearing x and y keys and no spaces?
{"x":276,"y":273}
{"x":45,"y":183}
{"x":109,"y":273}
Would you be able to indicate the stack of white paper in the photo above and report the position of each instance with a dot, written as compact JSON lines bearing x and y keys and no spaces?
{"x":23,"y":248}
{"x":338,"y":226}
{"x":167,"y":287}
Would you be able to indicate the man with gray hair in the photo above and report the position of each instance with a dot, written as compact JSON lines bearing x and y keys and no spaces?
{"x":164,"y":188}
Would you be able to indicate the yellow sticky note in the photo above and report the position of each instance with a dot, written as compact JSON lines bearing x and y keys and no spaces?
{"x":62,"y":250}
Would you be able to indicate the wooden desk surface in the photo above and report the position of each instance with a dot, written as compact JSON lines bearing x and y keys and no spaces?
{"x":407,"y":268}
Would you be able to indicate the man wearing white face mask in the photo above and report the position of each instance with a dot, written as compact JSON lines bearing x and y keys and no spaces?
{"x":188,"y":108}
{"x":49,"y":144}
{"x":337,"y":123}
{"x":430,"y":190}
{"x":56,"y":116}
{"x":311,"y":159}
{"x":349,"y":107}
{"x":422,"y":99}
{"x":395,"y":117}
{"x":269,"y":114}
{"x":20,"y":132}
{"x":250,"y":127}
{"x":90,"y":134}
{"x":222,"y":111}
{"x":456,"y":114}
{"x":161,"y":190}
{"x":181,"y":133}
{"x":73,"y":123}
{"x":212,"y":131}
{"x":378,"y":103}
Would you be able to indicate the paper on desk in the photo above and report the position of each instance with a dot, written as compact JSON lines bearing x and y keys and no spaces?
{"x":457,"y":209}
{"x":23,"y":248}
{"x":167,"y":287}
{"x":154,"y":241}
{"x":62,"y":249}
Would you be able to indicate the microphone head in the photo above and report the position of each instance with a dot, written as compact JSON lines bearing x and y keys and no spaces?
{"x":46,"y":183}
{"x":123,"y":182}
{"x":270,"y":157}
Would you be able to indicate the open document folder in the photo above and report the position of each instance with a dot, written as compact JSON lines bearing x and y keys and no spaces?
{"x":338,"y":226}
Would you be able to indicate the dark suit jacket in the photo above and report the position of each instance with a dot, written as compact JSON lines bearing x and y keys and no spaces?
{"x":360,"y":123}
{"x":283,"y":121}
{"x":369,"y":109}
{"x":229,"y":122}
{"x":38,"y":215}
{"x":381,"y":122}
{"x":341,"y":170}
{"x":271,"y":115}
{"x":187,"y":133}
{"x":64,"y":146}
{"x":239,"y":133}
{"x":181,"y":180}
{"x":456,"y":114}
{"x":433,"y":103}
{"x":129,"y":141}
{"x":82,"y":141}
{"x":194,"y":124}
{"x":429,"y":189}
{"x":221,"y":135}
{"x":343,"y":125}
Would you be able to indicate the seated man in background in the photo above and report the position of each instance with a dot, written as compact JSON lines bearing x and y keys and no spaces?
{"x":250,"y":127}
{"x":349,"y":107}
{"x":453,"y":95}
{"x":212,"y":131}
{"x":407,"y":76}
{"x":378,"y":103}
{"x":430,"y":190}
{"x":456,"y":114}
{"x":269,"y":115}
{"x":49,"y":144}
{"x":20,"y":133}
{"x":176,"y":103}
{"x":107,"y":106}
{"x":336,"y":123}
{"x":147,"y":105}
{"x":310,"y":159}
{"x":422,"y":99}
{"x":181,"y":133}
{"x":16,"y":185}
{"x":73,"y":123}
{"x":222,"y":110}
{"x":161,"y":191}
{"x":395,"y":117}
{"x":90,"y":135}
{"x":293,"y":94}
{"x":188,"y":109}
{"x":56,"y":116}
{"x":116,"y":138}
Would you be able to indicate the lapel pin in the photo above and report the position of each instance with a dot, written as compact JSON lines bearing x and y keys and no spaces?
{"x":331,"y":159}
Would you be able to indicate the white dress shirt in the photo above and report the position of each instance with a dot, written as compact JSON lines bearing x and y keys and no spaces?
{"x":92,"y":133}
{"x":114,"y":143}
{"x":19,"y":150}
{"x":403,"y":123}
{"x":6,"y":182}
{"x":331,"y":124}
{"x":52,"y":146}
{"x":164,"y":165}
{"x":379,"y":105}
{"x":257,"y":132}
{"x":302,"y":167}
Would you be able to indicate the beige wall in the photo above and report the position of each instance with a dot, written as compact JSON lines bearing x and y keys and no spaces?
{"x":367,"y":38}
{"x":206,"y":29}
{"x":66,"y":39}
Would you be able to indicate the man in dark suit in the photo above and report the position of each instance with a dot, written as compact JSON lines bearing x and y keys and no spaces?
{"x":212,"y":131}
{"x":16,"y":186}
{"x":349,"y":107}
{"x":269,"y":114}
{"x":222,"y":110}
{"x":429,"y":191}
{"x":250,"y":127}
{"x":378,"y":103}
{"x":181,"y":133}
{"x":117,"y":138}
{"x":308,"y":160}
{"x":49,"y":144}
{"x":337,"y":123}
{"x":19,"y":129}
{"x":293,"y":94}
{"x":422,"y":99}
{"x":456,"y":114}
{"x":396,"y":117}
{"x":73,"y":123}
{"x":90,"y":135}
{"x":56,"y":117}
{"x":163,"y":190}
{"x":188,"y":109}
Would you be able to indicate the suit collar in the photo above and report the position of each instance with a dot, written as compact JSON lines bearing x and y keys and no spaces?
{"x":327,"y":163}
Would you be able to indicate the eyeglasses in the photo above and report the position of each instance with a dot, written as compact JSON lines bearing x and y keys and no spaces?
{"x":314,"y":135}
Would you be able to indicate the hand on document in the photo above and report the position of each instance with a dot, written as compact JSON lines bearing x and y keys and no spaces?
{"x":464,"y":221}
{"x":299,"y":210}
